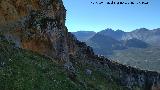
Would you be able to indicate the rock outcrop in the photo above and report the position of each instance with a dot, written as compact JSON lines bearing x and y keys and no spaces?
{"x":39,"y":25}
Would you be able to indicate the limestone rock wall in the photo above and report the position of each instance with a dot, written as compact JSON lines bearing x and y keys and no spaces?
{"x":38,"y":25}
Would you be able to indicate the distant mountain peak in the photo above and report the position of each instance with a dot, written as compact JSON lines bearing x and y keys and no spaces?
{"x":109,"y":29}
{"x":118,"y":30}
{"x":142,"y":29}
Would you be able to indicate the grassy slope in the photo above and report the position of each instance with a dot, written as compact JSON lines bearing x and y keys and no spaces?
{"x":26,"y":70}
{"x":99,"y":79}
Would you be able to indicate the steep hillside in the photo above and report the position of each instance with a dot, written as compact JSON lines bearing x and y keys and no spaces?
{"x":26,"y":70}
{"x":39,"y":26}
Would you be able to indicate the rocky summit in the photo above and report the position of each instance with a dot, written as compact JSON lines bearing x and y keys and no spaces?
{"x":39,"y":26}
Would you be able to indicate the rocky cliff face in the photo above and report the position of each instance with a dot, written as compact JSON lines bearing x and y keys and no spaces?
{"x":39,"y":25}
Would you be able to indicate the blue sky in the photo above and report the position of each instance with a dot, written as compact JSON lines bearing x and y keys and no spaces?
{"x":82,"y":15}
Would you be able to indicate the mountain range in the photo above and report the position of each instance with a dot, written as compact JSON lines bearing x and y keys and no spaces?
{"x":149,"y":36}
{"x":129,"y":48}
